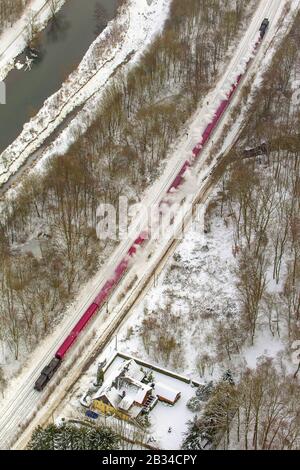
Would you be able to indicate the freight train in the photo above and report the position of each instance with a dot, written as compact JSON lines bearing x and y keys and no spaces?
{"x":48,"y":371}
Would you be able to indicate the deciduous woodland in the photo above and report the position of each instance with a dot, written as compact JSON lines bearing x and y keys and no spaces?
{"x":261,"y":195}
{"x":10,"y":11}
{"x":260,"y":412}
{"x":121,"y":152}
{"x":257,"y":200}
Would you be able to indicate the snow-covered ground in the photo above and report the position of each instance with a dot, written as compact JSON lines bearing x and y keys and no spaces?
{"x":13,"y":40}
{"x":28,"y":396}
{"x":124,"y":39}
{"x":197,"y":285}
{"x":167,"y":423}
{"x":196,"y":290}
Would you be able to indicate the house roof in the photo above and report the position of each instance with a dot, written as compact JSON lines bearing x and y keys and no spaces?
{"x":126,"y":369}
{"x":134,"y":371}
{"x":135,"y":411}
{"x":166,"y":392}
{"x":123,"y":387}
{"x":142,"y":390}
{"x":126,"y":403}
{"x":112,"y":396}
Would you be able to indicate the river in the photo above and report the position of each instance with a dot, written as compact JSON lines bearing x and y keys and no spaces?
{"x":61,"y":47}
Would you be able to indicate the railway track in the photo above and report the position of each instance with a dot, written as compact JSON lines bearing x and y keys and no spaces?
{"x":21,"y":408}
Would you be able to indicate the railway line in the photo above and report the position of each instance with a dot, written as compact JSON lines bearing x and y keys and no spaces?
{"x":25,"y":399}
{"x":121,"y":268}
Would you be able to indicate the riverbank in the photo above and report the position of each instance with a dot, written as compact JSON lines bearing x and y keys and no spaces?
{"x":128,"y":34}
{"x":60,"y":48}
{"x":13,"y":40}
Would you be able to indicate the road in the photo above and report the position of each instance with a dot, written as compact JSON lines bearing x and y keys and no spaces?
{"x":24,"y":401}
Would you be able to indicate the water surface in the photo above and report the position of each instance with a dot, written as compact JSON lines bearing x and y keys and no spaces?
{"x":61,"y":47}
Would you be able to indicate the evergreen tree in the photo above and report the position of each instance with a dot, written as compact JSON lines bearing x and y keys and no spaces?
{"x":74,"y":437}
{"x":203,"y":392}
{"x":100,"y":376}
{"x":194,"y":438}
{"x":194,"y":404}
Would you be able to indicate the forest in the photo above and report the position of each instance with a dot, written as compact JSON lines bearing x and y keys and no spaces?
{"x":74,"y":436}
{"x":259,"y":201}
{"x":10,"y":11}
{"x":122,"y":152}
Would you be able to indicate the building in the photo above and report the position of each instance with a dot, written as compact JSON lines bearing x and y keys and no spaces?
{"x":126,"y":393}
{"x":165,"y":393}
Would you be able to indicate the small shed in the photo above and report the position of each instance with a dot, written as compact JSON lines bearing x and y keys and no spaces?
{"x":165,"y":393}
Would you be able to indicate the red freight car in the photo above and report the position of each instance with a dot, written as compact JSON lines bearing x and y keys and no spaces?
{"x":179,"y":178}
{"x":60,"y":353}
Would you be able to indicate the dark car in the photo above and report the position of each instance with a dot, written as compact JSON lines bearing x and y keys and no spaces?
{"x":41,"y":383}
{"x":46,"y":374}
{"x":264,"y":26}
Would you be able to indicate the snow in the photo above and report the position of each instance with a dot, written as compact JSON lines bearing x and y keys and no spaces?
{"x":209,"y":270}
{"x":176,"y":417}
{"x":265,"y":345}
{"x":166,"y":392}
{"x":13,"y":40}
{"x":19,"y":66}
{"x":201,"y":281}
{"x":132,"y":371}
{"x":139,"y":23}
{"x":168,"y":422}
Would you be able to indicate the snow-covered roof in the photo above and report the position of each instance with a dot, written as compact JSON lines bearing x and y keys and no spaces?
{"x":123,"y":387}
{"x":134,"y":371}
{"x":128,"y":369}
{"x":126,"y":402}
{"x":164,"y":391}
{"x":112,"y":396}
{"x":141,"y":390}
{"x":135,"y":411}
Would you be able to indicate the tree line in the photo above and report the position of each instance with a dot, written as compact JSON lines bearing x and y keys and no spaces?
{"x":260,"y":201}
{"x":262,"y":197}
{"x":71,"y":436}
{"x":10,"y":11}
{"x":260,"y":412}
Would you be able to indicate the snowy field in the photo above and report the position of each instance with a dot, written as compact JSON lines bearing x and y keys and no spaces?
{"x":197,"y":282}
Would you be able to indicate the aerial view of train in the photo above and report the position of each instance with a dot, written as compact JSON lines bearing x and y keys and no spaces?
{"x":48,"y":371}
